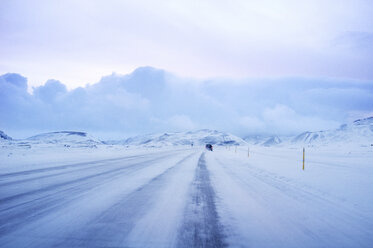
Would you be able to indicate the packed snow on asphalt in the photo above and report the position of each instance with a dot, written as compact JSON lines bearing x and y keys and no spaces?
{"x":186,"y":197}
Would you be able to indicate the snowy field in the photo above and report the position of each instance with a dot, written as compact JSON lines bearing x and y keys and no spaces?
{"x":114,"y":196}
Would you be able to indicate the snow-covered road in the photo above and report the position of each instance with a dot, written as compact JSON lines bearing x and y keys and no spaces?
{"x":184,"y":198}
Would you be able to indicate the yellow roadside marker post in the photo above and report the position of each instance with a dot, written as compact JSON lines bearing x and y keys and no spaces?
{"x":303,"y":157}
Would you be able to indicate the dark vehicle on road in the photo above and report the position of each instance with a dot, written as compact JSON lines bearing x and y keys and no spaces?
{"x":209,"y":147}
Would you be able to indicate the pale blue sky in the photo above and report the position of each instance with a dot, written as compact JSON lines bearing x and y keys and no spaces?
{"x":77,"y":42}
{"x":258,"y":66}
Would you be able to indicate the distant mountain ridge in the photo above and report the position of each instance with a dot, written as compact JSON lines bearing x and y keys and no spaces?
{"x":67,"y":137}
{"x":358,"y":132}
{"x":199,"y":137}
{"x":366,"y":121}
{"x":272,"y":141}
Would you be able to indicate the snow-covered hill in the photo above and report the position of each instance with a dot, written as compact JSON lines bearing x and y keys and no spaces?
{"x":256,"y":139}
{"x":3,"y":136}
{"x":275,"y":140}
{"x":66,"y":138}
{"x":263,"y":140}
{"x":359,"y":132}
{"x":200,"y":137}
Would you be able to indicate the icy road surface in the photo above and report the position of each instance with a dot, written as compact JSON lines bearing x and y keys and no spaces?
{"x":191,"y":198}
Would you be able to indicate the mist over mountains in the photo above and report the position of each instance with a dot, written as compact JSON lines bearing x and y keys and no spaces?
{"x":150,"y":100}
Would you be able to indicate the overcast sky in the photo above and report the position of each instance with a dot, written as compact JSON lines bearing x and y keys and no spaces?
{"x":77,"y":42}
{"x":246,"y":67}
{"x":151,"y":100}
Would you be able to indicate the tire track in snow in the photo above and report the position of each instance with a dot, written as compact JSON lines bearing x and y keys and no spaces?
{"x":351,"y":224}
{"x":41,"y":173}
{"x":31,"y":205}
{"x":294,"y":190}
{"x":201,"y":227}
{"x":66,"y":166}
{"x":111,"y":227}
{"x":81,"y":179}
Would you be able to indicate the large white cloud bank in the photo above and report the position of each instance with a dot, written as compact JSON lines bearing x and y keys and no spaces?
{"x":151,"y":100}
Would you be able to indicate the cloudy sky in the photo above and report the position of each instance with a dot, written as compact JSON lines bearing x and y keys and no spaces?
{"x":248,"y":66}
{"x":151,"y":100}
